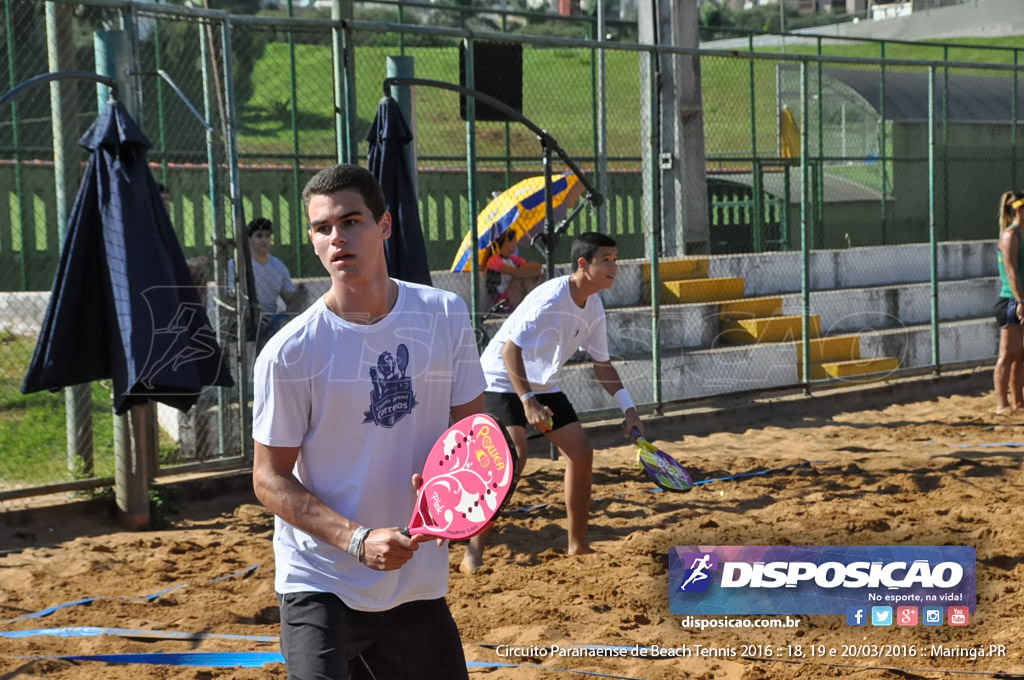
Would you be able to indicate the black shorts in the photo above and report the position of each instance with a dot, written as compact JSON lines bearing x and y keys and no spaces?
{"x":508,"y":408}
{"x":321,"y":637}
{"x":1006,"y":312}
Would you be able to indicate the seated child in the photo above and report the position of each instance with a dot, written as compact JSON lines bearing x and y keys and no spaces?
{"x":518,"y":277}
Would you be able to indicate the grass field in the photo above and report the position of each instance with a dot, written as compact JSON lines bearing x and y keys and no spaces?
{"x":32,"y":429}
{"x":557,"y":95}
{"x":33,"y":435}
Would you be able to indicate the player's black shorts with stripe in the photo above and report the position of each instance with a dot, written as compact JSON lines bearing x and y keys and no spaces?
{"x":321,"y":637}
{"x":508,"y":408}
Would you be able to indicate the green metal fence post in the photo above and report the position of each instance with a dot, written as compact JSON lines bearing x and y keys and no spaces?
{"x":343,"y":59}
{"x":131,"y":456}
{"x":595,"y":137}
{"x":601,"y":124}
{"x":655,"y":228}
{"x":474,"y":264}
{"x":882,"y":153}
{"x":12,"y":80}
{"x":160,"y":114}
{"x":933,"y":245}
{"x":787,"y":178}
{"x":133,"y":94}
{"x":405,"y":67}
{"x":146,"y":428}
{"x":401,"y":34}
{"x":64,"y":107}
{"x":237,"y":227}
{"x":221,"y":251}
{"x":297,"y":219}
{"x":945,"y":143}
{"x":60,"y":55}
{"x":819,"y":196}
{"x":805,"y":246}
{"x":757,"y":184}
{"x":1013,"y":120}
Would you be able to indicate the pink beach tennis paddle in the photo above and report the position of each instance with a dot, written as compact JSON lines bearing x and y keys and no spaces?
{"x":469,"y":475}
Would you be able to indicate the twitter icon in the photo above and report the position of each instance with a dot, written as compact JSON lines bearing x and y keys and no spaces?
{"x":881,"y":616}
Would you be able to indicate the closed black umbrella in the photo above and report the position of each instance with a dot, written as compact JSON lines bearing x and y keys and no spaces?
{"x":123,"y":305}
{"x":406,"y":252}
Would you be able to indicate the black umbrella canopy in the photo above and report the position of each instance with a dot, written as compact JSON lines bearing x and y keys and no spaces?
{"x":406,"y":252}
{"x":123,"y":305}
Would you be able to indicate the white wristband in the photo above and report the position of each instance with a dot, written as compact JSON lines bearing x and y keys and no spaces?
{"x":526,"y":396}
{"x":625,"y":402}
{"x":355,"y":546}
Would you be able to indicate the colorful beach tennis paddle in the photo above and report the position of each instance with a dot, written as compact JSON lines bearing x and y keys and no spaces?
{"x":469,"y":475}
{"x":659,"y":466}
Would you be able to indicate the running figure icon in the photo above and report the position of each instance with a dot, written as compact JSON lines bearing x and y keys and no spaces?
{"x":698,"y":570}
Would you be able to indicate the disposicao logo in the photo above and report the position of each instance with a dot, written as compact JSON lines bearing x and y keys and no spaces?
{"x":820,"y":579}
{"x":697,"y":576}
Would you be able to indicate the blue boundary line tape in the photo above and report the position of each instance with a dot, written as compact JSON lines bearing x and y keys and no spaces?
{"x":94,"y":631}
{"x":196,"y":659}
{"x":754,"y":473}
{"x":702,"y":482}
{"x":243,"y":573}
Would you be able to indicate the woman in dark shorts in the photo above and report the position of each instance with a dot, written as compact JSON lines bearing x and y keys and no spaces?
{"x":1009,"y":370}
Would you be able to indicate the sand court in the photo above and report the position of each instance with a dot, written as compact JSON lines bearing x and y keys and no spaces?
{"x":937,"y":470}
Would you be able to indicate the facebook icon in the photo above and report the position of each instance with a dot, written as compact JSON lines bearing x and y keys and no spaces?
{"x":856,"y":616}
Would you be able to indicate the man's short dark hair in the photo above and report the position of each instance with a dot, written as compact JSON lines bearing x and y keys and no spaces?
{"x":341,"y":177}
{"x":586,"y":244}
{"x":259,"y":224}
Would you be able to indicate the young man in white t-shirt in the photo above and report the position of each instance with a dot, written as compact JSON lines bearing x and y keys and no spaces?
{"x":522,"y":364}
{"x":349,"y":398}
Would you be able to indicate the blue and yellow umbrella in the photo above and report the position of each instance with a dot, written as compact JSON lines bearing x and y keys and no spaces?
{"x":520,"y":208}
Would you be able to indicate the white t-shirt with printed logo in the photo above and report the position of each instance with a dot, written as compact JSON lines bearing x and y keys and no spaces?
{"x":549,"y":327}
{"x":365,"y":403}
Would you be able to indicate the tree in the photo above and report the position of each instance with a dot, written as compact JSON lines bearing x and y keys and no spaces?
{"x":713,"y":17}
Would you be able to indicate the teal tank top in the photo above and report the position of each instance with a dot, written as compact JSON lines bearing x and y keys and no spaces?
{"x":1006,"y":291}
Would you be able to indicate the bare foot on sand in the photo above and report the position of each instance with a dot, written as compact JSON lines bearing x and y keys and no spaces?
{"x":471,"y":561}
{"x":581,"y":550}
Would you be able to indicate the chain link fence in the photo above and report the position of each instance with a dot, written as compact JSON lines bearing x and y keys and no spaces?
{"x":847,"y":220}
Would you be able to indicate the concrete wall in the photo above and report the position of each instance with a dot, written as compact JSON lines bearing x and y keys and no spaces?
{"x":775,"y":273}
{"x":706,"y":373}
{"x":850,"y":310}
{"x":23,"y":313}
